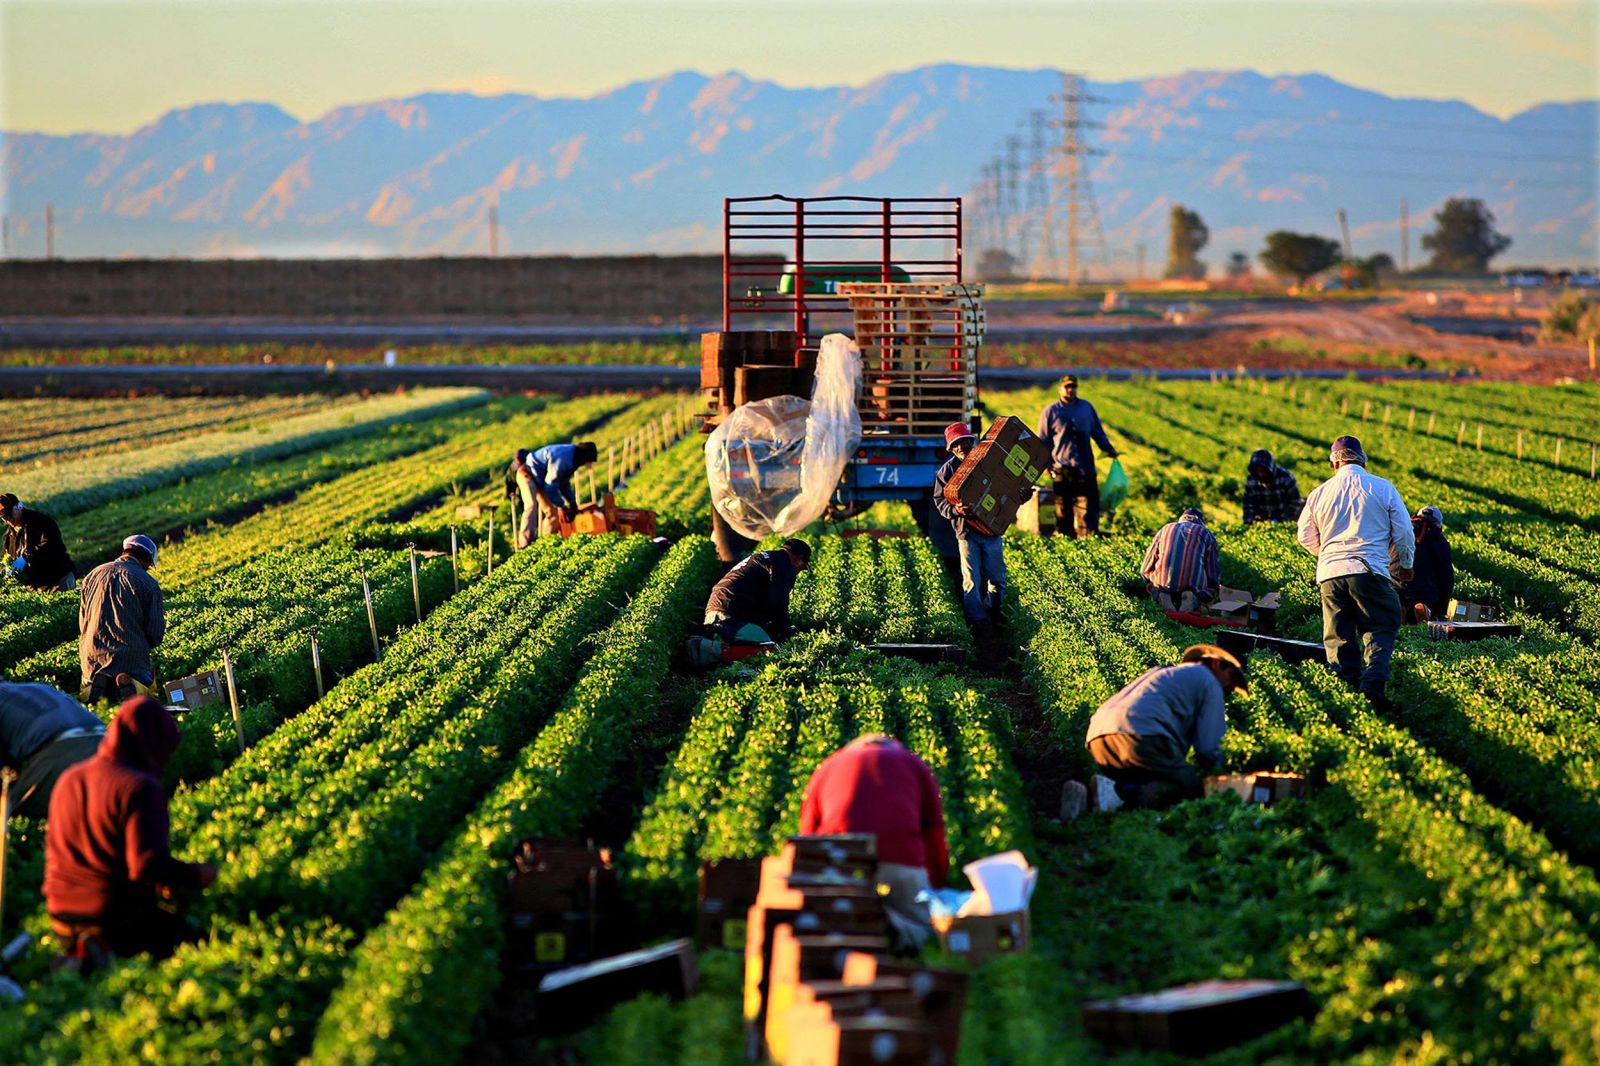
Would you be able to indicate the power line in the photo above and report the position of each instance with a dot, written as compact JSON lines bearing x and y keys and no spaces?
{"x":1386,"y":124}
{"x":1406,"y":149}
{"x":1321,"y":171}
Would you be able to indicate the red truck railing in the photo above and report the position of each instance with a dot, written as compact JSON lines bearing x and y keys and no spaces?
{"x":782,"y":255}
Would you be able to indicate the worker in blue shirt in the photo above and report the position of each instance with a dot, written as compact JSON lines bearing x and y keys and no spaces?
{"x":543,"y":479}
{"x":1070,"y":425}
{"x":983,"y":559}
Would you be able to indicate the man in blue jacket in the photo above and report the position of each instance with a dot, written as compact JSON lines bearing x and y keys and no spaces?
{"x":543,"y":478}
{"x":1072,"y":426}
{"x":983,"y":560}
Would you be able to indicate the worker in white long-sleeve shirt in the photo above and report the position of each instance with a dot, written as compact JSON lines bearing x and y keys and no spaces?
{"x":1360,"y":531}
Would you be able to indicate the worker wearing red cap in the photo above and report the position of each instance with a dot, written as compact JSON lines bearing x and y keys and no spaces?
{"x":1072,"y":426}
{"x":876,"y":785}
{"x":108,"y":861}
{"x":983,"y":560}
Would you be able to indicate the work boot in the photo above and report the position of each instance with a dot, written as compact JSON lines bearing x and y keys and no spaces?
{"x":1074,"y":801}
{"x":983,"y":629}
{"x":1377,"y":697}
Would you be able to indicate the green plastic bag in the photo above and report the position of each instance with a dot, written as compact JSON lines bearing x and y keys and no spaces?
{"x":1114,"y":489}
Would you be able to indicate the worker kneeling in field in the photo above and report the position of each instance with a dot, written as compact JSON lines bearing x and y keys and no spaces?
{"x":543,"y":479}
{"x":750,"y":605}
{"x":1271,"y":494}
{"x":33,"y":541}
{"x":43,"y":731}
{"x":1360,"y":531}
{"x":108,"y":864}
{"x":983,"y":557}
{"x":876,"y":785}
{"x":1140,"y":738}
{"x":1433,"y":574}
{"x":1182,"y":567}
{"x":120,"y":620}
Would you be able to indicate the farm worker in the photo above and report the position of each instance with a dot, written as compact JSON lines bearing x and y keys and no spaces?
{"x":1433,"y":575}
{"x":1182,"y":568}
{"x":543,"y":478}
{"x":120,"y":620}
{"x":42,"y":732}
{"x":1140,"y":738}
{"x":750,"y":605}
{"x":33,"y":541}
{"x":983,"y":559}
{"x":876,"y":785}
{"x":1358,"y":528}
{"x":107,"y":858}
{"x":1070,"y":425}
{"x":1271,"y":494}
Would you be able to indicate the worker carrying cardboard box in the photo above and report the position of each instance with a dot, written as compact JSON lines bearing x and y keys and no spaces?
{"x":33,"y":542}
{"x":983,"y":558}
{"x":1271,"y":493}
{"x":877,"y":785}
{"x":1360,"y":531}
{"x":1071,"y":425}
{"x":1433,"y":574}
{"x":120,"y":619}
{"x":542,"y":478}
{"x":1140,"y":738}
{"x":108,"y":861}
{"x":750,"y":605}
{"x":42,"y":732}
{"x":1182,"y":568}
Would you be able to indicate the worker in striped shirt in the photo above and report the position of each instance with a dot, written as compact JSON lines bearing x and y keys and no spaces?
{"x":1182,"y":568}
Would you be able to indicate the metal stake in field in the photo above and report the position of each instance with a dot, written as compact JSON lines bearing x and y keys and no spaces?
{"x":1480,"y":436}
{"x":416,"y":584}
{"x":372,"y":616}
{"x":488,"y":567}
{"x":1461,"y":434}
{"x":1411,"y":421}
{"x":455,"y":565}
{"x":1431,"y":416}
{"x":316,"y":661}
{"x":1519,"y":441}
{"x":1558,"y":453}
{"x":233,"y":698}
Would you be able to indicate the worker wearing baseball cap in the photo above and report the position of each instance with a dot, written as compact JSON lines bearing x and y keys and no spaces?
{"x":1360,"y":531}
{"x":120,"y":620}
{"x":1072,"y":426}
{"x":983,"y":560}
{"x":1140,"y":738}
{"x":32,"y":541}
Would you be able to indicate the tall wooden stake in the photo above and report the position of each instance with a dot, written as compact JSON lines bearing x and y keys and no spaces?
{"x":416,"y":584}
{"x":372,"y":616}
{"x":455,"y":565}
{"x":233,"y":698}
{"x":488,"y":567}
{"x":316,"y":662}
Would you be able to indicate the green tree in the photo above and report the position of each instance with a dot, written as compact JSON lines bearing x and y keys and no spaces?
{"x":1298,"y":255}
{"x":1238,"y":265}
{"x":1187,"y":235}
{"x":1464,"y":238}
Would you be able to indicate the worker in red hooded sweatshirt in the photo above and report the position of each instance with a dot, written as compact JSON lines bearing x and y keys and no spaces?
{"x":108,"y":861}
{"x":876,"y":785}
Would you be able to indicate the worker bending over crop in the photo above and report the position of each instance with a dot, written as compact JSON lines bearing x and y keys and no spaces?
{"x":1182,"y":569}
{"x":1140,"y":738}
{"x":750,"y":605}
{"x":983,"y":558}
{"x":1070,"y":425}
{"x":543,"y":479}
{"x":1433,"y":574}
{"x":120,"y":620}
{"x":42,"y":732}
{"x":33,"y":541}
{"x":1358,"y":528}
{"x":108,"y":863}
{"x":1271,"y":493}
{"x":876,"y":785}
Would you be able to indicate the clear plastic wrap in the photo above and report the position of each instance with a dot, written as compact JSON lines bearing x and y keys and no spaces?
{"x":773,"y":464}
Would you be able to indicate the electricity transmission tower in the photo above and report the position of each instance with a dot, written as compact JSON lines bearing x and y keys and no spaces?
{"x":1071,"y":184}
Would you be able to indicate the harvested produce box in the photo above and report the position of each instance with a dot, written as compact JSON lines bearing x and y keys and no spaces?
{"x":1200,"y":1018}
{"x":728,"y":889}
{"x":1263,"y":788}
{"x":574,"y":997}
{"x":981,"y":937}
{"x":723,"y":355}
{"x":607,"y":517}
{"x":878,"y":1041}
{"x":1472,"y":630}
{"x":998,"y":475}
{"x":1240,"y":605}
{"x":1461,"y":611}
{"x":1037,"y":515}
{"x":196,"y":690}
{"x":1242,"y":643}
{"x":563,"y":905}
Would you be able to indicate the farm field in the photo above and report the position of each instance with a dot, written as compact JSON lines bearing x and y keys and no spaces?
{"x":1437,"y":895}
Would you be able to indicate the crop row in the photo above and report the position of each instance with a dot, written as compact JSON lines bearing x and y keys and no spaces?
{"x":69,"y":488}
{"x":31,"y":620}
{"x":674,"y":485}
{"x":421,"y":977}
{"x":886,"y":589}
{"x":44,"y":436}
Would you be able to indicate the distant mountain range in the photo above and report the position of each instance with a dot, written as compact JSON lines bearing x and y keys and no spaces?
{"x":644,"y":168}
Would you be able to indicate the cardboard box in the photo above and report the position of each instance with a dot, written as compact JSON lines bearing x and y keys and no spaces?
{"x":579,"y":995}
{"x":981,"y":937}
{"x":1197,"y":1019}
{"x":1263,"y":788}
{"x":796,"y":960}
{"x":752,"y":382}
{"x":998,"y":475}
{"x":563,"y":905}
{"x":1240,"y":605}
{"x":819,"y":1041}
{"x":196,"y":690}
{"x":1037,"y":515}
{"x":1472,"y":630}
{"x":1461,"y":611}
{"x":728,"y":888}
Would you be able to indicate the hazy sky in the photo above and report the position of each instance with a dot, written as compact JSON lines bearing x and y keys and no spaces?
{"x":68,"y":66}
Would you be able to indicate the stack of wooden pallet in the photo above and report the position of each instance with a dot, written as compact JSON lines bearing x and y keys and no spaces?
{"x":919,"y":353}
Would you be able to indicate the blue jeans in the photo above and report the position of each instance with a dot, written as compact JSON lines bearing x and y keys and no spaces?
{"x":983,"y":575}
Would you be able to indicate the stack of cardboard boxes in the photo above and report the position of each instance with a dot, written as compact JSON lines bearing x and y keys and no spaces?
{"x":740,"y":368}
{"x":820,"y":987}
{"x":998,"y":475}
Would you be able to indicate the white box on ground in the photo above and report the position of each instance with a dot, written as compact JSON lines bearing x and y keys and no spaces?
{"x":1001,"y":884}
